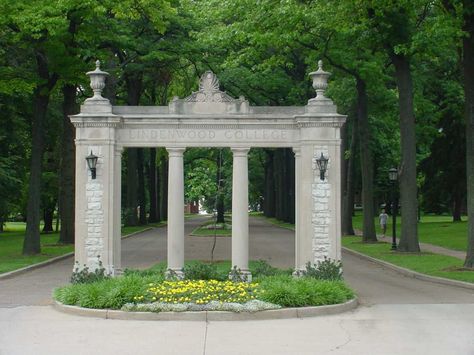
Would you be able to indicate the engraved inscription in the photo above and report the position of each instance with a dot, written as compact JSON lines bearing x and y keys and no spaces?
{"x":184,"y":135}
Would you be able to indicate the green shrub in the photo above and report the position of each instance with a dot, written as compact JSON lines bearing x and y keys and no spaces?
{"x":263,"y":268}
{"x":202,"y":271}
{"x":327,"y":269}
{"x":109,"y":293}
{"x":288,"y":291}
{"x":81,"y":276}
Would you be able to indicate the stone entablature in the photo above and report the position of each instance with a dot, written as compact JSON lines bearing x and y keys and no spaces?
{"x":207,"y":118}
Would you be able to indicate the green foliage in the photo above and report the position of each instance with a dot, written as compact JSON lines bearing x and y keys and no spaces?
{"x":203,"y":271}
{"x":83,"y":275}
{"x":324,"y":270}
{"x":263,"y":268}
{"x":108,"y":293}
{"x":288,"y":291}
{"x":148,"y":286}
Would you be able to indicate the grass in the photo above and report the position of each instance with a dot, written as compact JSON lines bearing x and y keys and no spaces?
{"x":274,"y":221}
{"x":204,"y":231}
{"x":273,"y":285}
{"x":437,"y":230}
{"x":11,"y":244}
{"x":425,"y":263}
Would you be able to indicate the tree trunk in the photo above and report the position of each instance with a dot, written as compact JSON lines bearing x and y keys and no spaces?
{"x":367,"y":164}
{"x":220,"y":195}
{"x":468,"y":67}
{"x":1,"y":224}
{"x":164,"y":188}
{"x":31,"y":243}
{"x":131,"y":218}
{"x":67,"y":169}
{"x":133,"y":82}
{"x":269,"y":197}
{"x":348,"y":195}
{"x":48,"y":214}
{"x":407,"y":172}
{"x":141,"y":186}
{"x":290,"y":168}
{"x":278,"y":166}
{"x":457,"y":203}
{"x":152,"y":187}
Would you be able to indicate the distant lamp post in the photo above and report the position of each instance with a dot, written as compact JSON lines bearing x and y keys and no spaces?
{"x":393,"y":177}
{"x":322,"y":165}
{"x":92,"y":164}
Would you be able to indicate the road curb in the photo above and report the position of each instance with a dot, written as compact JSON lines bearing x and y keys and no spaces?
{"x":284,"y":313}
{"x":10,"y":274}
{"x":411,"y":273}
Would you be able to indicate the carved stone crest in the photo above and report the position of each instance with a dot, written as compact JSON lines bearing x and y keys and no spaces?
{"x":209,"y":90}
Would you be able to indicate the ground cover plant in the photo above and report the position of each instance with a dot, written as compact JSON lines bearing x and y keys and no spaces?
{"x":426,"y":263}
{"x":205,"y":288}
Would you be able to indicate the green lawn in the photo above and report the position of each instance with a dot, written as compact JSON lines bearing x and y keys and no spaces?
{"x":426,"y":263}
{"x":203,"y":230}
{"x":274,"y":221}
{"x":11,"y":244}
{"x":437,"y":230}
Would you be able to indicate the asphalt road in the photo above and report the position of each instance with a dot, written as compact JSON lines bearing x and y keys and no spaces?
{"x":399,"y":315}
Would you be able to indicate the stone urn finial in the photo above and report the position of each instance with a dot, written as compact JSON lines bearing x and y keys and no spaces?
{"x":320,"y":81}
{"x":97,"y":78}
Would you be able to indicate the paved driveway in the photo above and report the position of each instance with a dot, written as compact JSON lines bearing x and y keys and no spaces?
{"x":399,"y":315}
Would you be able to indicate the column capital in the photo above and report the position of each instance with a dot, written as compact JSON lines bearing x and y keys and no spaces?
{"x":240,"y":151}
{"x":176,"y":151}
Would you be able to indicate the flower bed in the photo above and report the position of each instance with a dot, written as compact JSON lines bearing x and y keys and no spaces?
{"x":148,"y":291}
{"x":199,"y":291}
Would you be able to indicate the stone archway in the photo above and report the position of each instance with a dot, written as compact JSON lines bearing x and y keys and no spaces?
{"x":207,"y":118}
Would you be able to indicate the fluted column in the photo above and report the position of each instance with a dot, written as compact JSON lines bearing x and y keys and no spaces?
{"x":240,"y":216}
{"x":175,"y":212}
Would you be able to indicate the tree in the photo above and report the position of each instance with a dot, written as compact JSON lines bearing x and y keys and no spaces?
{"x":468,"y":68}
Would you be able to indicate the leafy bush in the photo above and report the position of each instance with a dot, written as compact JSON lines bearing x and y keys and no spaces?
{"x":327,"y":269}
{"x":107,"y":293}
{"x":288,"y":291}
{"x":263,"y":268}
{"x":81,"y":276}
{"x":202,"y":271}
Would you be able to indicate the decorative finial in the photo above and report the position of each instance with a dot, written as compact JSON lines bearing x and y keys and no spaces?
{"x":320,"y":82}
{"x":97,"y":82}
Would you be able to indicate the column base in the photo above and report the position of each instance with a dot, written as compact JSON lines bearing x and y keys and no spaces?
{"x":240,"y":275}
{"x":174,"y":274}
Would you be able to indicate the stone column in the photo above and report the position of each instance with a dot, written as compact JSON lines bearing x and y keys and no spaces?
{"x":304,"y":196}
{"x":117,"y":215}
{"x":175,"y":212}
{"x":240,"y":216}
{"x":298,"y":236}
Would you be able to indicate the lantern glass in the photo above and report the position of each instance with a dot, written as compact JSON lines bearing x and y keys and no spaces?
{"x":393,"y":174}
{"x":322,"y":162}
{"x":91,"y":161}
